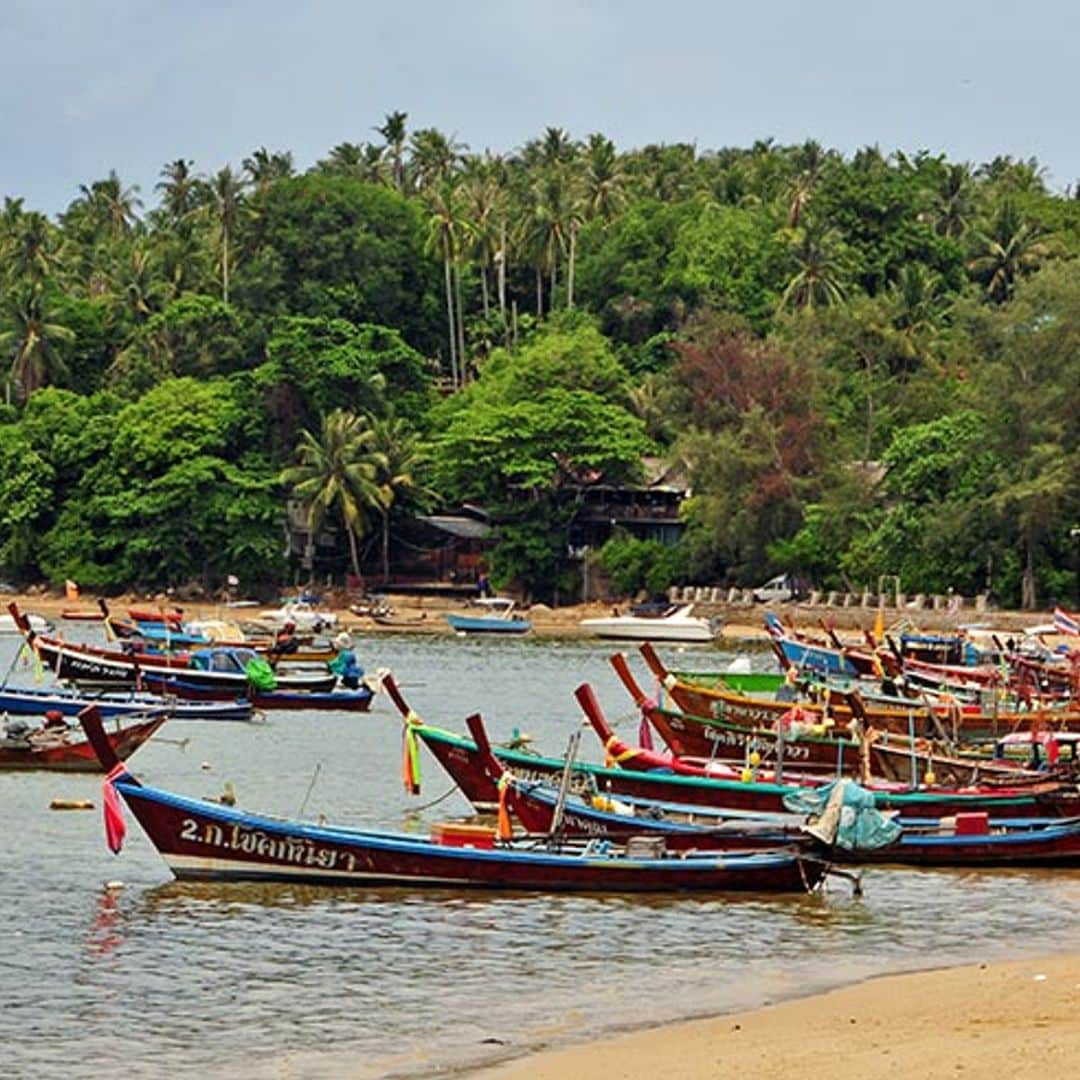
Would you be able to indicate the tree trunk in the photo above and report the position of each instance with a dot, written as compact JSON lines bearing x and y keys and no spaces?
{"x":460,"y":323}
{"x":539,"y":292}
{"x":450,"y":320}
{"x":385,"y":547}
{"x":570,"y":268}
{"x":1027,"y":582}
{"x":484,"y":290}
{"x":225,"y":264}
{"x":502,"y":270}
{"x":354,"y":552}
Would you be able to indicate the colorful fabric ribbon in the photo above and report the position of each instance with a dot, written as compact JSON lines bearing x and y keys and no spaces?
{"x":115,"y":826}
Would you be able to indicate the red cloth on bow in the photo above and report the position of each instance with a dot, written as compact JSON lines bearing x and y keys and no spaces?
{"x":115,"y":826}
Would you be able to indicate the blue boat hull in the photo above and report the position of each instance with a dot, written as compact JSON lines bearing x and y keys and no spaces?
{"x":479,"y":624}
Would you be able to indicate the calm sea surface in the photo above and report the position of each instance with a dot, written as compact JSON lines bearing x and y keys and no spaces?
{"x":285,"y":981}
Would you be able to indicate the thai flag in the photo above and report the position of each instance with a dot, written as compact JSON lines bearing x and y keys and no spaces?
{"x":1064,"y":623}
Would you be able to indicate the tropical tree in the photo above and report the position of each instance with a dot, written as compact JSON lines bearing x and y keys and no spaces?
{"x":816,"y":257}
{"x":226,"y":191}
{"x":264,"y":168}
{"x":603,"y":179}
{"x":337,"y":470}
{"x":182,"y":192}
{"x":1008,"y":248}
{"x":447,"y":232}
{"x":34,"y":336}
{"x":393,"y":130}
{"x":397,"y":474}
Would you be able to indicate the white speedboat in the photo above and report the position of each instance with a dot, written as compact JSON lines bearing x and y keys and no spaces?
{"x":305,"y":617}
{"x":676,"y":624}
{"x":38,"y":623}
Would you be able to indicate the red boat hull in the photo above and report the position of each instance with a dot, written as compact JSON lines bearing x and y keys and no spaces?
{"x":77,"y":756}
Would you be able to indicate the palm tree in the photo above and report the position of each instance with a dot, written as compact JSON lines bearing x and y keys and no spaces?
{"x":484,"y":209}
{"x":363,"y":161}
{"x":29,"y":251}
{"x":604,"y":181}
{"x":447,"y":230}
{"x":264,"y":168}
{"x":815,"y":253}
{"x":338,"y":470}
{"x":112,"y":206}
{"x":434,"y":157}
{"x":400,"y":449}
{"x":393,"y":131}
{"x":1008,"y":248}
{"x":226,"y":191}
{"x":181,"y":191}
{"x":34,"y":336}
{"x":811,"y":161}
{"x":954,"y":200}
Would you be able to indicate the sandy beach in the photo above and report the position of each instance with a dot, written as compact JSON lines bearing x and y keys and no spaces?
{"x":1017,"y":1019}
{"x":425,"y":615}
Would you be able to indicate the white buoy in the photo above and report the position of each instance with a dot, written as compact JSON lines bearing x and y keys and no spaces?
{"x":205,"y":766}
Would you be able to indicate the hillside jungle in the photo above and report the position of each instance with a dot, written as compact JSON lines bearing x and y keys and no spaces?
{"x":863,"y":365}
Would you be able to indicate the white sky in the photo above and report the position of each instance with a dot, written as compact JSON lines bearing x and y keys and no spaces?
{"x":89,"y":86}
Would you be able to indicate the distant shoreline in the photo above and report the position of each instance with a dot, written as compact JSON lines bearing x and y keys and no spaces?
{"x":425,"y":615}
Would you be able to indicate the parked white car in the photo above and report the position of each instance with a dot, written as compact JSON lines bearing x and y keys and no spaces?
{"x":777,"y":590}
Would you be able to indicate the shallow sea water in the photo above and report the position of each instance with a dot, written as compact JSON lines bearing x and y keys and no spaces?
{"x":284,"y":981}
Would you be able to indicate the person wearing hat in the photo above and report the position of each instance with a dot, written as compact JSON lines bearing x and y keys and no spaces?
{"x":345,"y":665}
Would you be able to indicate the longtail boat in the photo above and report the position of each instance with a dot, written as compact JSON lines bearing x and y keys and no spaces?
{"x":657,"y":779}
{"x":948,"y":721}
{"x":796,"y":743}
{"x":35,"y":702}
{"x":200,"y":840}
{"x":972,"y":839}
{"x":226,"y":668}
{"x":339,"y":699}
{"x":62,"y":749}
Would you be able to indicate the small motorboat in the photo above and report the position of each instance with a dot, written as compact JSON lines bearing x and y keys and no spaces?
{"x":494,"y":615}
{"x":675,"y":624}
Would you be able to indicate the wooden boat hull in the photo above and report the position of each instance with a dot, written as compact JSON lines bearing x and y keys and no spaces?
{"x":461,"y":760}
{"x":1038,"y":843}
{"x":87,"y":615}
{"x":714,"y":740}
{"x":82,"y":664}
{"x":76,"y":756}
{"x":25,"y":702}
{"x":202,"y":841}
{"x":332,"y":700}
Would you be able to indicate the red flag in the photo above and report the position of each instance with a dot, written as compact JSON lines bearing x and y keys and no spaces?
{"x":115,"y":826}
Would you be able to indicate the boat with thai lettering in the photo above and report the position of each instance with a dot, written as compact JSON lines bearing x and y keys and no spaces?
{"x":54,"y":745}
{"x":964,"y":839}
{"x":221,"y":667}
{"x":639,"y":772}
{"x":205,"y":841}
{"x":796,"y":741}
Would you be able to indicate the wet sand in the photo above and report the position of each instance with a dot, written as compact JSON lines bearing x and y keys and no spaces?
{"x":1017,"y":1019}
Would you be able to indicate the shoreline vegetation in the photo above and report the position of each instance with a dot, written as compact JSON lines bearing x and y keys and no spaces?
{"x":951,"y":1022}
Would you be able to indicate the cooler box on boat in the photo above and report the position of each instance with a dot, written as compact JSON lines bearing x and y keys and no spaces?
{"x":973,"y":824}
{"x":459,"y":834}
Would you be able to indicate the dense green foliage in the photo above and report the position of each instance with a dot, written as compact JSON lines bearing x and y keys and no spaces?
{"x":865,"y":366}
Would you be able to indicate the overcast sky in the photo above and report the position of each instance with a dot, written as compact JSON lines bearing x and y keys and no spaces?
{"x":90,"y":86}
